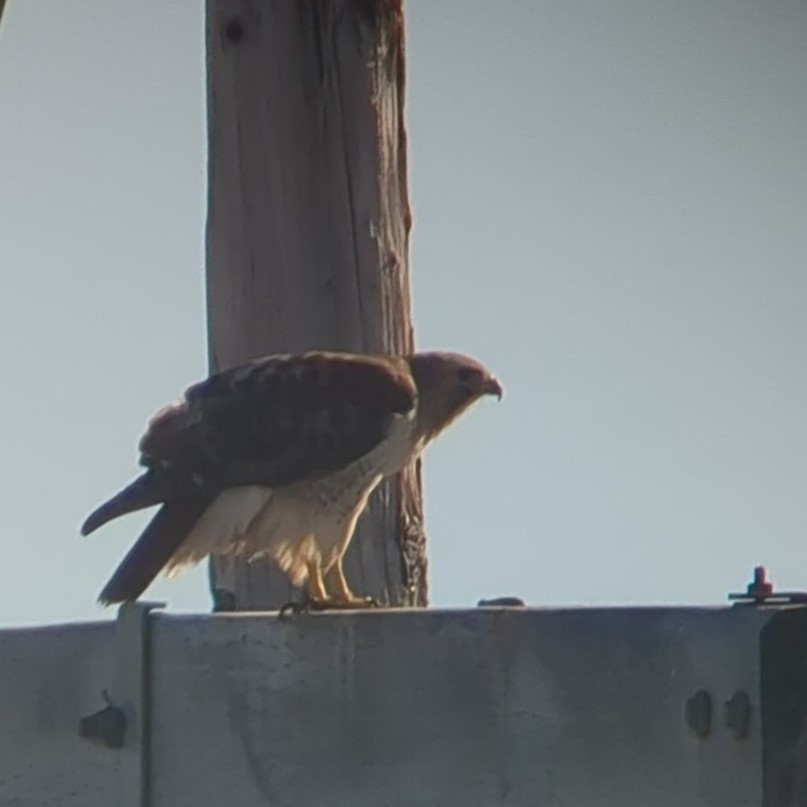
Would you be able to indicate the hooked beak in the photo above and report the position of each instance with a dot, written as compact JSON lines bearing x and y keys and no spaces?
{"x":493,"y":387}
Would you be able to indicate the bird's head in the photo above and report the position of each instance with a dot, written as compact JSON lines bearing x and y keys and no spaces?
{"x":448,"y":383}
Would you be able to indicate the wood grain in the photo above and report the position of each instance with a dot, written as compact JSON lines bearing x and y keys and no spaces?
{"x":308,"y":228}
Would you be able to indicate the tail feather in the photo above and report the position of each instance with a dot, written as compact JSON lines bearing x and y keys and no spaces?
{"x":153,"y":549}
{"x":145,"y":491}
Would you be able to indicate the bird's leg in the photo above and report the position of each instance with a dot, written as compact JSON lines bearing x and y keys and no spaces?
{"x":316,"y":585}
{"x":343,"y":596}
{"x":318,"y":598}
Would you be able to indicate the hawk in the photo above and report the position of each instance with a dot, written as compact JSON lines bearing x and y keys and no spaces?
{"x":277,"y":458}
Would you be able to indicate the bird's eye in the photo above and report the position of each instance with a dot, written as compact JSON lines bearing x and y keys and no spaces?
{"x":465,"y":374}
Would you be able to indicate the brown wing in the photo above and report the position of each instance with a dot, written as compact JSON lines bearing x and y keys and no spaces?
{"x":272,"y":422}
{"x":281,"y":419}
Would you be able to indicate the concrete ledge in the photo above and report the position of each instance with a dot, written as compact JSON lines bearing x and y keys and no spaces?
{"x":482,"y":707}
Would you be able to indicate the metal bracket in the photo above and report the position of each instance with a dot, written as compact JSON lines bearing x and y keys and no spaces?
{"x":501,"y":602}
{"x":760,"y":591}
{"x":737,"y":714}
{"x":698,"y":713}
{"x":123,"y":723}
{"x":106,"y":727}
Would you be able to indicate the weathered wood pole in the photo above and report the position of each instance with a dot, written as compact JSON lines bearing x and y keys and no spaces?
{"x":307,"y":231}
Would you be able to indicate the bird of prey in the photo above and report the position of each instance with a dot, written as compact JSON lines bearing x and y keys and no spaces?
{"x":277,"y":458}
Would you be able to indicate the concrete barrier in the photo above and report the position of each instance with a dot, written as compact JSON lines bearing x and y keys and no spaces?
{"x":649,"y":707}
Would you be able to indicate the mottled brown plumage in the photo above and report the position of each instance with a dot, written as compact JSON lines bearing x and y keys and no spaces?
{"x":278,"y":458}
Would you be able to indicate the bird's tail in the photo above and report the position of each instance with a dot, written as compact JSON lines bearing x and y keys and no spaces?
{"x":153,"y":549}
{"x":144,"y":492}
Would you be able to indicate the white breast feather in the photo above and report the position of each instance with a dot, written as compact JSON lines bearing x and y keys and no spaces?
{"x":225,"y":522}
{"x":295,"y":524}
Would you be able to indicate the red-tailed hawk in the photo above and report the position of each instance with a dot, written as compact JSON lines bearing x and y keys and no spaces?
{"x":278,"y":458}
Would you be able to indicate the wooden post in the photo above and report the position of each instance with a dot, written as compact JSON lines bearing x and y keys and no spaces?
{"x":307,"y":231}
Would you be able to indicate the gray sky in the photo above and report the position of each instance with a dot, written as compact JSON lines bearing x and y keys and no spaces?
{"x":610,"y":204}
